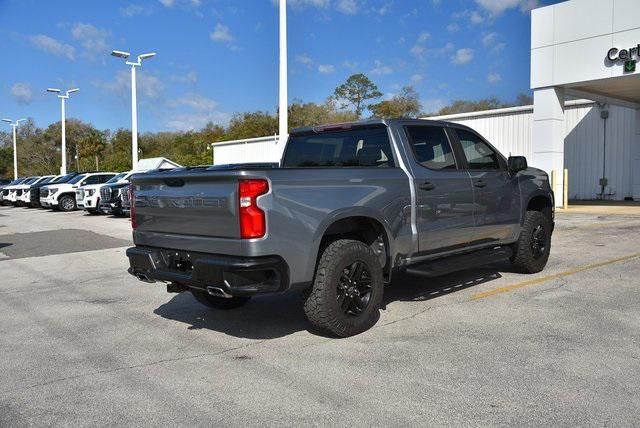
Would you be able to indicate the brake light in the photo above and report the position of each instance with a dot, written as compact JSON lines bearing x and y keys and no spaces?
{"x":252,"y":218}
{"x":132,"y":209}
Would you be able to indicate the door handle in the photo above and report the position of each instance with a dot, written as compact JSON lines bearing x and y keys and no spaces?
{"x":427,"y":186}
{"x":479,"y":183}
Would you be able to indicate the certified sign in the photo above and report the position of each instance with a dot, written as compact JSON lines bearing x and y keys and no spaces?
{"x":628,"y":57}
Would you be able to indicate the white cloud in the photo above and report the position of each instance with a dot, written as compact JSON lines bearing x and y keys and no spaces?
{"x":52,"y":46}
{"x":350,"y":64}
{"x":423,"y":37}
{"x":494,"y":78}
{"x":194,"y":101}
{"x":462,"y":56}
{"x":448,"y":47}
{"x":190,"y":78}
{"x":92,"y":39}
{"x":418,"y":51}
{"x":497,"y":7}
{"x":192,"y":121}
{"x":323,"y":4}
{"x":167,"y":3}
{"x":22,"y":93}
{"x":452,"y":28}
{"x":304,"y":59}
{"x":380,"y":69}
{"x":489,"y":39}
{"x":221,"y":33}
{"x":349,"y":7}
{"x":416,"y":79}
{"x":149,"y":86}
{"x":204,"y":110}
{"x":131,"y":10}
{"x":326,"y":69}
{"x":473,"y":16}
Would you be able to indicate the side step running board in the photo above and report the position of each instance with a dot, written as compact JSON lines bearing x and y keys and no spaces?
{"x":460,"y":262}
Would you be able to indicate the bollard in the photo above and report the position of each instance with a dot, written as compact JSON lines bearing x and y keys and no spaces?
{"x":565,"y":190}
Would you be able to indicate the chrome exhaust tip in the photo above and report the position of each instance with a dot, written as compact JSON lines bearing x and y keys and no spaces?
{"x":144,"y":278}
{"x":218,"y":292}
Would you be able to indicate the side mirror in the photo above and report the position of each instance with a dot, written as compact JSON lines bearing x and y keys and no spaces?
{"x":517,"y":164}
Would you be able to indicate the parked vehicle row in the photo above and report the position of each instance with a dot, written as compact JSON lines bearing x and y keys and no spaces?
{"x":69,"y":192}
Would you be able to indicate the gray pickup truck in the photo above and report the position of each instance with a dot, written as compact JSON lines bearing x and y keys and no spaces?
{"x":348,"y":205}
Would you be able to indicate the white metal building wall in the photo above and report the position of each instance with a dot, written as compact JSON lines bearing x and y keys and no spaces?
{"x":509,"y":130}
{"x":263,"y":149}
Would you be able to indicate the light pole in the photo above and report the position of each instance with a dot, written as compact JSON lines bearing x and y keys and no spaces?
{"x":14,"y":126}
{"x":63,"y":167}
{"x":283,"y":111}
{"x":134,"y":108}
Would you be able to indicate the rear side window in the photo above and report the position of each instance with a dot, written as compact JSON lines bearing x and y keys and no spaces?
{"x":364,"y":147}
{"x":478,"y":154}
{"x":431,"y":147}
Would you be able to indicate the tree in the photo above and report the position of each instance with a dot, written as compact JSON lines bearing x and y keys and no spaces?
{"x":355,"y":92}
{"x":405,"y":104}
{"x":310,"y":114}
{"x":466,"y":106}
{"x":524,"y":100}
{"x":250,"y":125}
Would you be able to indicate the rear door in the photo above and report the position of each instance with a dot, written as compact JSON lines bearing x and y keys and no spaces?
{"x":444,"y":194}
{"x":496,"y":192}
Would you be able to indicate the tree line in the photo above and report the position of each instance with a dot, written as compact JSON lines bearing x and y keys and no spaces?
{"x":90,"y":149}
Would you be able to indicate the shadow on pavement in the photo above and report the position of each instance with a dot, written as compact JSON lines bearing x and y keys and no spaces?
{"x":269,"y":317}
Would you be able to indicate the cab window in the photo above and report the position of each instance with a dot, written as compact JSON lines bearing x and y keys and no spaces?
{"x":431,"y":147}
{"x":478,"y":154}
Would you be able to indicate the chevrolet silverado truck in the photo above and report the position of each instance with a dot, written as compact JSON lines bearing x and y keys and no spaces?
{"x":348,"y":206}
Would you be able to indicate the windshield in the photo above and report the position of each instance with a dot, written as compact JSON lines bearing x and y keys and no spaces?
{"x":65,"y":178}
{"x":30,"y":180}
{"x":360,"y":147}
{"x":47,"y":180}
{"x":77,"y":178}
{"x":117,"y":178}
{"x":15,"y":182}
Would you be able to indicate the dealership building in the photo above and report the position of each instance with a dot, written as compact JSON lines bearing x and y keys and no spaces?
{"x":586,"y":112}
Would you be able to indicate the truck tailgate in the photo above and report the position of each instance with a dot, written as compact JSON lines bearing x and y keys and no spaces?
{"x":199,"y":203}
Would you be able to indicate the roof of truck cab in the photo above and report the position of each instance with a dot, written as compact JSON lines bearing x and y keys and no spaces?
{"x":373,"y":122}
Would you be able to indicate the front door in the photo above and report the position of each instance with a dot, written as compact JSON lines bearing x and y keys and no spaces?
{"x":444,"y":194}
{"x":496,"y":193}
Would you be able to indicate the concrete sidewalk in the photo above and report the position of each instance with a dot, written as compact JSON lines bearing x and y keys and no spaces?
{"x":623,"y":208}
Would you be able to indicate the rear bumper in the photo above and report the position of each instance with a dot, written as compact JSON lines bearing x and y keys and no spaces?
{"x":236,"y":276}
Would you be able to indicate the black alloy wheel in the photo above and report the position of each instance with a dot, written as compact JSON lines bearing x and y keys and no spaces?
{"x":354,"y":288}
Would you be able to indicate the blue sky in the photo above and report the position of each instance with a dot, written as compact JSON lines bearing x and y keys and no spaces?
{"x":217,"y":57}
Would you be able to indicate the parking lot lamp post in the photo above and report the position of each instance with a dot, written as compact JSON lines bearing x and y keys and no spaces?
{"x":134,"y":109}
{"x":63,"y":98}
{"x":14,"y":127}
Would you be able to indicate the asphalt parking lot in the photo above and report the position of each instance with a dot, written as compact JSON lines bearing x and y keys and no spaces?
{"x":85,"y":344}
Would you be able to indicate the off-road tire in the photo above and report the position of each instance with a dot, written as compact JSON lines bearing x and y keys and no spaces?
{"x":219,"y":302}
{"x":524,"y":259}
{"x":71,"y":207}
{"x":321,"y":305}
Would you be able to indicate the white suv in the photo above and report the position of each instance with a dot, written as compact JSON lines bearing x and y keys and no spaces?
{"x":88,"y":196}
{"x":63,"y":196}
{"x":12,"y":196}
{"x":23,"y":191}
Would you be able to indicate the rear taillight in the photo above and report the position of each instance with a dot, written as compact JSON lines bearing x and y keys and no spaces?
{"x":132,"y":208}
{"x":252,"y":218}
